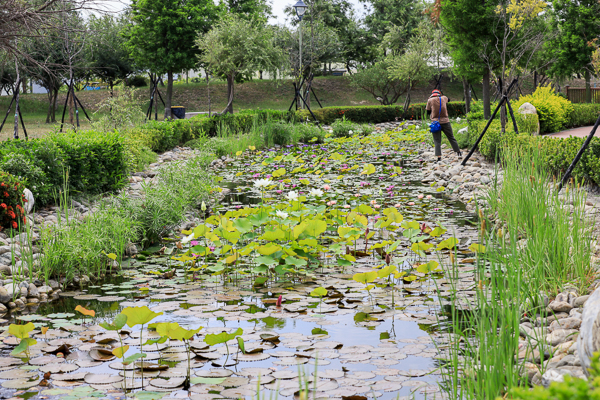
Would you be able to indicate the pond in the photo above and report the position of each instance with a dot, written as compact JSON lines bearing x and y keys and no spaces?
{"x":320,"y":257}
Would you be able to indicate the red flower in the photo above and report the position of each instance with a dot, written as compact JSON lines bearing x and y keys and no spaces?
{"x":6,"y":194}
{"x":2,"y":184}
{"x":14,"y":224}
{"x":3,"y":205}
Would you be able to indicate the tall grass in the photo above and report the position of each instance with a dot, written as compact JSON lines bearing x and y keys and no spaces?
{"x":538,"y":243}
{"x":556,"y":246}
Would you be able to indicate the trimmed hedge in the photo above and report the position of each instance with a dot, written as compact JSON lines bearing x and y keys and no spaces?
{"x":95,"y":163}
{"x":376,"y":114}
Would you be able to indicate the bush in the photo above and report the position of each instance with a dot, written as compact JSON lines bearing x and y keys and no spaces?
{"x":11,"y":192}
{"x":277,"y":132}
{"x":360,"y":114}
{"x":30,"y":174}
{"x":308,"y":133}
{"x":345,"y":128}
{"x":552,"y":109}
{"x":137,"y":81}
{"x":583,"y":115}
{"x":96,"y":162}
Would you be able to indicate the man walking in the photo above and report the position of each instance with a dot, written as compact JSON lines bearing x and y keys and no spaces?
{"x":438,"y":111}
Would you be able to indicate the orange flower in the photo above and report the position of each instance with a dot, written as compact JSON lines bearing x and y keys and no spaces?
{"x":14,"y":224}
{"x":3,"y":205}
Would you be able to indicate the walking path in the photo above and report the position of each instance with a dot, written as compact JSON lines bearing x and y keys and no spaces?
{"x":583,"y":131}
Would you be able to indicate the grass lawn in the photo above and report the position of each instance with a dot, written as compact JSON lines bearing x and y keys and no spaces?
{"x":255,"y":94}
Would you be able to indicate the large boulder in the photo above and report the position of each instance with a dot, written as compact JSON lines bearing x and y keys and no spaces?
{"x":30,"y":200}
{"x":529,"y":109}
{"x":589,"y":335}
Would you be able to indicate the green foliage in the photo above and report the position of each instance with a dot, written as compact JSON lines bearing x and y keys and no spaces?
{"x":345,"y":128}
{"x":552,"y":109}
{"x":95,"y":162}
{"x":377,"y":80}
{"x":308,"y":133}
{"x":583,"y":115}
{"x":31,"y":175}
{"x":359,"y":114}
{"x":120,"y":112}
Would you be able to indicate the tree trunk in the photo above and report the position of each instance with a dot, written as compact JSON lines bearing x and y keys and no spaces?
{"x":467,"y":94}
{"x":487,"y":112}
{"x":71,"y":108}
{"x":230,"y":82}
{"x":535,"y":80}
{"x":24,"y":84}
{"x":17,"y":111}
{"x":50,"y":103}
{"x":260,"y":75}
{"x":168,"y":101}
{"x":588,"y":87}
{"x":53,"y":116}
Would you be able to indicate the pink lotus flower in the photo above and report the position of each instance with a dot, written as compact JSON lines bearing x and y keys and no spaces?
{"x":346,"y":206}
{"x":373,"y":202}
{"x":376,"y":206}
{"x":411,"y":204}
{"x":357,"y":195}
{"x":420,"y":196}
{"x":397,"y":205}
{"x":326,"y":187}
{"x":332,"y":202}
{"x":278,"y":303}
{"x":194,"y":243}
{"x":429,"y":196}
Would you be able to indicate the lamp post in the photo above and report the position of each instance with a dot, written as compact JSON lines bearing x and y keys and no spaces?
{"x":300,"y":8}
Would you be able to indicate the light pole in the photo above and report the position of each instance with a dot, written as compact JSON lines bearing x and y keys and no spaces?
{"x":300,"y":8}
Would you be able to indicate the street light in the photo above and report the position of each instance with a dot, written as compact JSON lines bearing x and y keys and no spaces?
{"x":300,"y":8}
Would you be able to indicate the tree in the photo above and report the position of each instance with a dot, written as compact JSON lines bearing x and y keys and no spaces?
{"x":578,"y":24}
{"x":250,"y":9}
{"x":469,"y":26}
{"x":520,"y":32}
{"x":405,"y":14}
{"x":162,"y":34}
{"x":236,"y":46}
{"x":396,"y":75}
{"x":110,"y":59}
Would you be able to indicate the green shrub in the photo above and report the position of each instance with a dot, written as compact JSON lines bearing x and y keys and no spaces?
{"x":12,"y":199}
{"x":552,"y":109}
{"x":136,"y":81}
{"x":359,"y":114}
{"x":96,"y":162}
{"x":583,"y":115}
{"x":277,"y":132}
{"x":306,"y":133}
{"x":32,"y":176}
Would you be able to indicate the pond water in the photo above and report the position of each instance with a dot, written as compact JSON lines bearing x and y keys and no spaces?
{"x":376,"y":343}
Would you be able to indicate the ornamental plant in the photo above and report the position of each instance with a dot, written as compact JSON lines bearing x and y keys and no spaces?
{"x":11,"y":201}
{"x":552,"y":109}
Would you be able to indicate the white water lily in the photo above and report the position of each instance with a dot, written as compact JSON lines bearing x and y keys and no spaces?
{"x":188,"y":239}
{"x":316,"y":192}
{"x":292,"y":196}
{"x":282,"y":214}
{"x":261,"y":183}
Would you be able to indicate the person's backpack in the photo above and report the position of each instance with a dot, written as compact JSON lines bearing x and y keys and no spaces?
{"x":435,"y":126}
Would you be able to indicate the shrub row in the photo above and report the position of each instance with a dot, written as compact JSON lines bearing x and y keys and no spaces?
{"x":94,"y":162}
{"x":376,"y":114}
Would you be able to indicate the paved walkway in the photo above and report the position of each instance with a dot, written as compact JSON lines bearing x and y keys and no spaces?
{"x":583,"y":131}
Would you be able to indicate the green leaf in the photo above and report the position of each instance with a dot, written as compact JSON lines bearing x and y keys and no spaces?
{"x":368,"y":169}
{"x":243,"y":225}
{"x":319,"y":331}
{"x":218,"y":338}
{"x":298,"y":262}
{"x":206,"y":381}
{"x":160,"y":340}
{"x":175,"y":332}
{"x":319,"y":292}
{"x":315,"y":227}
{"x":365,"y":209}
{"x":23,"y":346}
{"x":365,"y":277}
{"x":447,"y":244}
{"x":241,"y":344}
{"x":139,"y":315}
{"x":420,"y":246}
{"x":149,"y":395}
{"x":437,"y":231}
{"x":429,"y":267}
{"x":133,"y":357}
{"x":120,"y":351}
{"x":21,"y":331}
{"x":477,"y":248}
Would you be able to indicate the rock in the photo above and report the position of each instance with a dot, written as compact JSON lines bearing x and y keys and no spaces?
{"x":44,"y":289}
{"x":12,"y":305}
{"x":527,"y":108}
{"x":53,"y":284}
{"x":5,"y":270}
{"x":553,"y":375}
{"x":32,"y":300}
{"x":559,"y":336}
{"x":29,"y":199}
{"x":33,"y":291}
{"x":131,"y":250}
{"x":5,"y":297}
{"x":3,"y":309}
{"x":580,"y":301}
{"x":589,"y":335}
{"x":566,"y":323}
{"x":485,"y":180}
{"x":560,"y":306}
